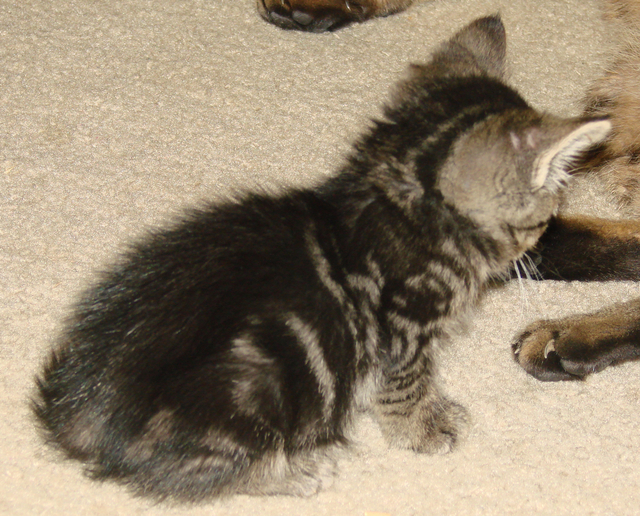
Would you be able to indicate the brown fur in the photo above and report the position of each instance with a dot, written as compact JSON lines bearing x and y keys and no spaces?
{"x":617,"y":96}
{"x":573,"y":347}
{"x":322,"y":15}
{"x":585,"y":248}
{"x":626,"y":11}
{"x":590,"y":249}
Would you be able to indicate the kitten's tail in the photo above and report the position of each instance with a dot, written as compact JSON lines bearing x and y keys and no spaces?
{"x":163,"y":464}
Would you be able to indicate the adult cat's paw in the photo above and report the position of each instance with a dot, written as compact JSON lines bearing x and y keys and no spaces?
{"x":315,"y":15}
{"x":560,"y":350}
{"x":534,"y":349}
{"x":324,"y":15}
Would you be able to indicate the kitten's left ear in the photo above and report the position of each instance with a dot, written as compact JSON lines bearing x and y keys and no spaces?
{"x":486,"y":40}
{"x":479,"y":48}
{"x":553,"y":166}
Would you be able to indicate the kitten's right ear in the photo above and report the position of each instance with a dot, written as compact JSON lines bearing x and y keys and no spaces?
{"x":553,"y":166}
{"x":480,"y":46}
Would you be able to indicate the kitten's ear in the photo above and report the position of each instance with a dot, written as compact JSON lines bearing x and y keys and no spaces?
{"x":552,"y":167}
{"x":480,"y":46}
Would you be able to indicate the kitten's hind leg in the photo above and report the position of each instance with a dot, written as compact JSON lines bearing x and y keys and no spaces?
{"x":303,"y":474}
{"x":198,"y":477}
{"x":413,"y":414}
{"x":573,"y":347}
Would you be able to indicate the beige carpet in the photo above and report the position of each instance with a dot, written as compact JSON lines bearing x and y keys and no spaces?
{"x":116,"y":114}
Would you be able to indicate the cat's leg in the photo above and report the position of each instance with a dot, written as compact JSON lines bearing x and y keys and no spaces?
{"x":323,"y":15}
{"x":413,"y":414}
{"x":573,"y":347}
{"x":192,"y":469}
{"x":589,"y":249}
{"x":303,"y":474}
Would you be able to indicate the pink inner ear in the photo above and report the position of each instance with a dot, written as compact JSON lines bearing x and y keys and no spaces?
{"x":533,"y":137}
{"x":515,"y":140}
{"x":558,"y":159}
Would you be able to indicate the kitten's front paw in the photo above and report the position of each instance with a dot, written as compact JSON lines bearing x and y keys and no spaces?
{"x":434,"y":429}
{"x":444,"y":427}
{"x":315,"y":15}
{"x":550,"y":351}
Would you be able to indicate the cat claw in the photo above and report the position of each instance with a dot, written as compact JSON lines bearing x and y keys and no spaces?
{"x":550,"y":347}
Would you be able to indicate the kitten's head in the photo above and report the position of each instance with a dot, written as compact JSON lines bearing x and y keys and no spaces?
{"x":473,"y":139}
{"x":506,"y":174}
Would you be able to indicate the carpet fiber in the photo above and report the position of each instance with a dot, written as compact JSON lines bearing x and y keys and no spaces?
{"x":116,"y":115}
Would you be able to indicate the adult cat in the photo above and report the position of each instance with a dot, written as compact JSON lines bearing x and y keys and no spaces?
{"x":586,"y":248}
{"x":228,"y":354}
{"x":322,"y":15}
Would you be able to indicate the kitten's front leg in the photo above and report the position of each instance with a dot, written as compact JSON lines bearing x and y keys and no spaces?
{"x":413,"y":414}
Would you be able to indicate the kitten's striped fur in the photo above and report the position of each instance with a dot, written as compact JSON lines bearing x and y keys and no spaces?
{"x":227,"y":354}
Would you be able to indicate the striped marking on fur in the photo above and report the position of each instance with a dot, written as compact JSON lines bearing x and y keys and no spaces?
{"x":324,"y":268}
{"x":315,"y":359}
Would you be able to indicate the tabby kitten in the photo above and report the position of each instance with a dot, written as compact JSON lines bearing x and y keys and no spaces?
{"x":588,"y":248}
{"x":227,"y":354}
{"x":323,"y":15}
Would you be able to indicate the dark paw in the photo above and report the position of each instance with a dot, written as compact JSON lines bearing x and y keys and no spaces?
{"x":547,"y":351}
{"x":314,"y":15}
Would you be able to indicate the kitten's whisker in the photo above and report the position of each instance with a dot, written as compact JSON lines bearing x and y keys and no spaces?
{"x":524,"y":300}
{"x":530,"y":267}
